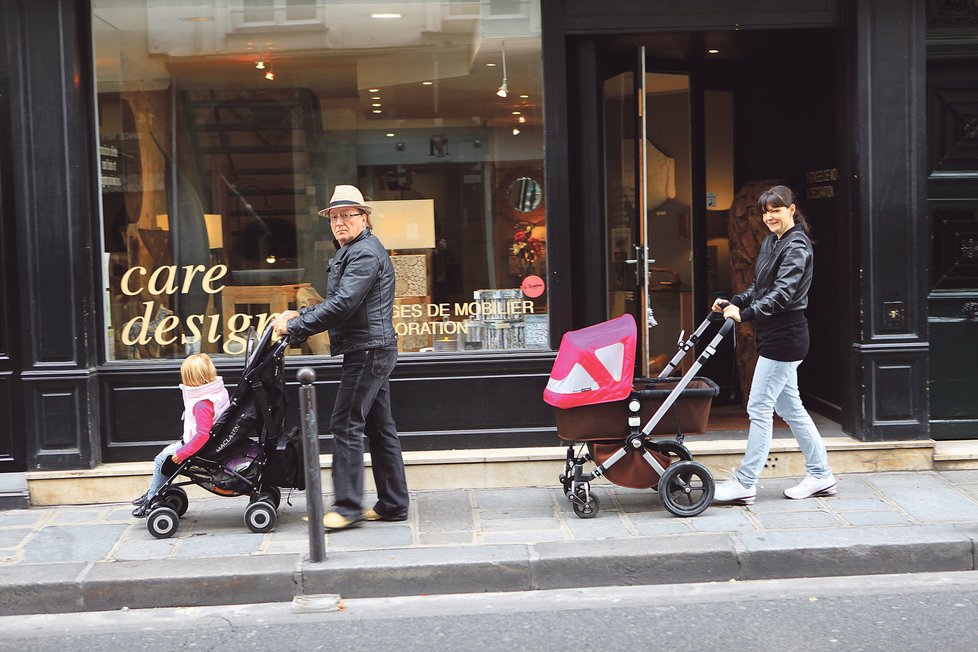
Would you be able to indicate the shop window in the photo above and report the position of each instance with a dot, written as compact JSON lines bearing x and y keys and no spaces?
{"x":224,"y":127}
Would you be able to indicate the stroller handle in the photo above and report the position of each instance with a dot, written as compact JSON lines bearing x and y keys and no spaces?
{"x":708,"y":351}
{"x":690,"y":343}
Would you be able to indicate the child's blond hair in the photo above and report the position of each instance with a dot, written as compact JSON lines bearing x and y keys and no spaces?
{"x":198,"y":369}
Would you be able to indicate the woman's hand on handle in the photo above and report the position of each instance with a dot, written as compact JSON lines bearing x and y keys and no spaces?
{"x":730,"y":311}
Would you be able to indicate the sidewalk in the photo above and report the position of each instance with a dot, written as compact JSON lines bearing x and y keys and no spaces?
{"x":88,"y":558}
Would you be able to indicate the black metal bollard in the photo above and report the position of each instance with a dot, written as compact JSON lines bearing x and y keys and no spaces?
{"x":310,"y":453}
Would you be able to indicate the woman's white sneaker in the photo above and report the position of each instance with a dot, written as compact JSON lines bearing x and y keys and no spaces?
{"x":811,"y":486}
{"x":731,"y":491}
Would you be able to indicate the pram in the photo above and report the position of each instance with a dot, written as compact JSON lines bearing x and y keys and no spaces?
{"x":598,"y":404}
{"x":249,"y":451}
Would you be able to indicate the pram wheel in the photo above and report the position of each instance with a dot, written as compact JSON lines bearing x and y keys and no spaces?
{"x":260,"y":516}
{"x":686,"y":488}
{"x":673,"y":449}
{"x":162,"y":522}
{"x":586,"y":506}
{"x":269,"y":494}
{"x":176,"y":499}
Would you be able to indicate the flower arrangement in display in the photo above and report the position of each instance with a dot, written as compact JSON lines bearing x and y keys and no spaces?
{"x":525,"y":247}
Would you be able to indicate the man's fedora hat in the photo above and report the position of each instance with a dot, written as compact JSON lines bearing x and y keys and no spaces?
{"x":344,"y":197}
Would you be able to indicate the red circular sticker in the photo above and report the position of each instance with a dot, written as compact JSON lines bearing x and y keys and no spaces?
{"x":532,"y":286}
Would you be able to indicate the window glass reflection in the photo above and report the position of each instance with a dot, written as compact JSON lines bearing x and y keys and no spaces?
{"x":225,"y":126}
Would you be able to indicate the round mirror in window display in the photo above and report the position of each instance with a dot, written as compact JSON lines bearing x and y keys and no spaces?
{"x":524,"y":195}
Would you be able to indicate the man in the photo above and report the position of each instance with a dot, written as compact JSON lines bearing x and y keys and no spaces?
{"x":358,"y":312}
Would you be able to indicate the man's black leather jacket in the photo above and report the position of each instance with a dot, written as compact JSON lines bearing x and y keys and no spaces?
{"x":359,"y":306}
{"x":782,"y":276}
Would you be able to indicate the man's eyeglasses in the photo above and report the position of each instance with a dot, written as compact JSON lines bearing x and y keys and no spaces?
{"x":345,"y":218}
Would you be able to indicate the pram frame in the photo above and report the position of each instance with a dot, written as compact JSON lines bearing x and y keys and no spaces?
{"x":170,"y":502}
{"x":577,"y":484}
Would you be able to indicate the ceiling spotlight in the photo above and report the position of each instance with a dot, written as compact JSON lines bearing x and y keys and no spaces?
{"x":517,"y":113}
{"x":524,"y":97}
{"x":521,"y":119}
{"x":373,"y":90}
{"x":490,"y":65}
{"x":503,"y":90}
{"x":375,"y":97}
{"x":270,"y":74}
{"x":713,"y":51}
{"x":516,"y":132}
{"x":427,"y":83}
{"x":390,"y":134}
{"x":382,"y":16}
{"x":270,"y":259}
{"x":377,"y":111}
{"x":260,"y":64}
{"x":376,"y":105}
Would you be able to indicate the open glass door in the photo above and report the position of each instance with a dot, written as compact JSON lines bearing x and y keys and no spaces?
{"x":647,"y":211}
{"x":625,"y":214}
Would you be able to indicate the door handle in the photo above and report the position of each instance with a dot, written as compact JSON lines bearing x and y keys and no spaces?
{"x":970,"y":310}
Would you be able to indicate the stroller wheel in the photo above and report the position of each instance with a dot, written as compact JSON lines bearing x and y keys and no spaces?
{"x":176,"y":499}
{"x":260,"y":516}
{"x":271,"y":494}
{"x":162,"y":522}
{"x":673,"y":449}
{"x":586,"y":507}
{"x":686,"y":488}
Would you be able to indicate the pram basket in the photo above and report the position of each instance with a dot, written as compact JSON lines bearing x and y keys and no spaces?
{"x":598,"y":406}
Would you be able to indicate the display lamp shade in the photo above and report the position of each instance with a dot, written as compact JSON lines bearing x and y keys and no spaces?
{"x":215,"y":234}
{"x":404,"y":223}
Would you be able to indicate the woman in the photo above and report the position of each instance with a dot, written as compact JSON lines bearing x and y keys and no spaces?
{"x":776,"y":302}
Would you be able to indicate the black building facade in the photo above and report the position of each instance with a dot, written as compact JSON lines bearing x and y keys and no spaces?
{"x":869,"y":108}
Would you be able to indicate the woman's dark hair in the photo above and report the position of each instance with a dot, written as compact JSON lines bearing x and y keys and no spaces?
{"x":782,"y":196}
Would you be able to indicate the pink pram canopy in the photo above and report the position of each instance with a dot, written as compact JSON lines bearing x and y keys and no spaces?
{"x":594,"y":364}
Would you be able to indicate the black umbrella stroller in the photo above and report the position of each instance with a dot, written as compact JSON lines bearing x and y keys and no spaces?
{"x":249,"y":452}
{"x":598,"y":405}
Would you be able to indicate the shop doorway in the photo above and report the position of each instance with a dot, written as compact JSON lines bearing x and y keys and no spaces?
{"x":694,"y":125}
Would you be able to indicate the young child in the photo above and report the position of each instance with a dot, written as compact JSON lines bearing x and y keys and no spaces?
{"x":204,"y":398}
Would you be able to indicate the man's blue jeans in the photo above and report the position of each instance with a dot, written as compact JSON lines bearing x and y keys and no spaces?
{"x":774,"y":388}
{"x":363,"y":408}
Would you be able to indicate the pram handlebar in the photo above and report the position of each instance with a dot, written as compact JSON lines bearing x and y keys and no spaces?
{"x":694,"y":338}
{"x":707,"y":353}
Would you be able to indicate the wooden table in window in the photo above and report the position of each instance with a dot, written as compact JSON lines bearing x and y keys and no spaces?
{"x":278,"y":298}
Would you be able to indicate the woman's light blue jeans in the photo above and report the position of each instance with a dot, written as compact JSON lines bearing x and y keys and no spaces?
{"x":774,"y":388}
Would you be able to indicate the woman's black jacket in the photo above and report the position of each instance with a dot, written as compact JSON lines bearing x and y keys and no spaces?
{"x":778,"y":296}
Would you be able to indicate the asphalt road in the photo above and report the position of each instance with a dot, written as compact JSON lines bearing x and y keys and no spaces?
{"x":936,"y":611}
